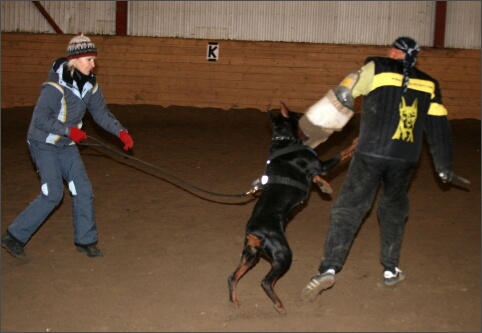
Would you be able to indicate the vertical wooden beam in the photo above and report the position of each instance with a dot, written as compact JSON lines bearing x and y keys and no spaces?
{"x":439,"y":29}
{"x":47,"y":17}
{"x":121,"y":18}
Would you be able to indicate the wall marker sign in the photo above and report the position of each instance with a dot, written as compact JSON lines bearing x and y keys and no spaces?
{"x":213,"y":51}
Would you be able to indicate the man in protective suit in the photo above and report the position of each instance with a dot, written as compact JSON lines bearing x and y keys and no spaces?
{"x":401,"y":103}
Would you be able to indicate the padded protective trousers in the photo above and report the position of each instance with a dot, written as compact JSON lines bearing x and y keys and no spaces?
{"x":355,"y":199}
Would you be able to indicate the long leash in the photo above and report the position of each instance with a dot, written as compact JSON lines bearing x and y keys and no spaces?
{"x":166,"y":173}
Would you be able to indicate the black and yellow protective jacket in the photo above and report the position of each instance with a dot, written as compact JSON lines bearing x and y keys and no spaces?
{"x":392,"y":125}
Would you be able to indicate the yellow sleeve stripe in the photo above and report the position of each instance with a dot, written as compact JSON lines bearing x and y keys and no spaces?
{"x":395,"y":79}
{"x":437,"y":109}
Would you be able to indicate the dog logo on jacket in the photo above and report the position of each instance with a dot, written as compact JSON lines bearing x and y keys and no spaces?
{"x":408,"y":116}
{"x":291,"y":170}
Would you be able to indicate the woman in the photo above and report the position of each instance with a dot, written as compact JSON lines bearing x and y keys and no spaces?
{"x":54,"y":130}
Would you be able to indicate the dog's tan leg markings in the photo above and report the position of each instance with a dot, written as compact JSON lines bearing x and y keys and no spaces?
{"x":324,"y":186}
{"x":254,"y":245}
{"x":348,"y":152}
{"x":253,"y":242}
{"x":278,"y":305}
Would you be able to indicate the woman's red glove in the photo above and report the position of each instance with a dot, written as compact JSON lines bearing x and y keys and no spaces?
{"x":77,"y":135}
{"x":126,"y":139}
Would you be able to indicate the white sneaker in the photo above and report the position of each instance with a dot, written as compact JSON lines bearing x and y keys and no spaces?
{"x":317,"y":284}
{"x":391,"y":279}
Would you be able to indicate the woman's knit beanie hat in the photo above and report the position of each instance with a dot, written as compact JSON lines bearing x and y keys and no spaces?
{"x":80,"y":46}
{"x":410,"y":47}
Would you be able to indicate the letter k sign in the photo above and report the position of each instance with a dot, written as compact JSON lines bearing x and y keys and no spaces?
{"x":213,"y":51}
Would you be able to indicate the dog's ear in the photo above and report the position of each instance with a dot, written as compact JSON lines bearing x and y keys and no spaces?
{"x":284,"y":110}
{"x":287,"y":113}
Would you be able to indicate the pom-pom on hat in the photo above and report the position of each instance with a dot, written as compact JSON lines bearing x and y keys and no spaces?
{"x":80,"y":46}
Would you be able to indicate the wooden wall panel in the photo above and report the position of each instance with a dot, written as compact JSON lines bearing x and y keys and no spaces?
{"x":173,"y":71}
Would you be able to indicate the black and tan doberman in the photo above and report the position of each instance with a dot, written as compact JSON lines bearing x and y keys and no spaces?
{"x":291,"y":170}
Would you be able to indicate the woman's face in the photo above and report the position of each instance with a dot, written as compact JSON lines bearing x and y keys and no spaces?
{"x":85,"y":64}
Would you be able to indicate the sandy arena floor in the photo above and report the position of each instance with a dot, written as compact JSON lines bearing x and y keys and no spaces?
{"x":169,"y":249}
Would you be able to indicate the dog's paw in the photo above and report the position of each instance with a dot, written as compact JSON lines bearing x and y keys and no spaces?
{"x":325,"y":188}
{"x":348,"y":152}
{"x":322,"y":184}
